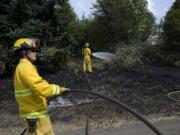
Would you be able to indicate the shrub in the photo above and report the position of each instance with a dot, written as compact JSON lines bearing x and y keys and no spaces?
{"x":128,"y":57}
{"x":74,"y":67}
{"x":54,"y":59}
{"x":153,"y":55}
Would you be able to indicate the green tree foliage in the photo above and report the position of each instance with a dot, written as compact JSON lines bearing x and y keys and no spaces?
{"x":62,"y":19}
{"x":49,"y":20}
{"x":55,"y":23}
{"x":171,"y":26}
{"x":120,"y":21}
{"x":5,"y":26}
{"x":80,"y":33}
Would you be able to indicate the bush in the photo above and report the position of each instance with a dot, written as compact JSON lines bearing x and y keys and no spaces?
{"x":98,"y":64}
{"x":54,"y":59}
{"x":128,"y":57}
{"x":74,"y":67}
{"x":5,"y":61}
{"x":153,"y":55}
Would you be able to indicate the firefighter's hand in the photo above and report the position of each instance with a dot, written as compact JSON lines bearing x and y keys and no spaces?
{"x":64,"y":89}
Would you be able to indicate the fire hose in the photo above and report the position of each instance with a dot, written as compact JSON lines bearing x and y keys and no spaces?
{"x":90,"y":110}
{"x":174,"y":96}
{"x":115,"y":101}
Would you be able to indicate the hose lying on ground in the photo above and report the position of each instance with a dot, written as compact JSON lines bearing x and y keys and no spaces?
{"x":138,"y":115}
{"x":175,"y":93}
{"x":90,"y":110}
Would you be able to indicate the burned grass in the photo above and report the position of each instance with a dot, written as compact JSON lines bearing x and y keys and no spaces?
{"x":144,"y":89}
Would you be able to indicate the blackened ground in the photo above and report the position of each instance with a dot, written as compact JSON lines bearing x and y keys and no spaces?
{"x":144,"y":89}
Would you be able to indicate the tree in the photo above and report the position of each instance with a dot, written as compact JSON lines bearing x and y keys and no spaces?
{"x":120,"y":21}
{"x":49,"y":20}
{"x":4,"y":24}
{"x":61,"y":26}
{"x":171,"y":26}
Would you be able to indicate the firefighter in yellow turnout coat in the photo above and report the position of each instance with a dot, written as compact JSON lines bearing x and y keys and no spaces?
{"x":31,"y":90}
{"x":87,"y":58}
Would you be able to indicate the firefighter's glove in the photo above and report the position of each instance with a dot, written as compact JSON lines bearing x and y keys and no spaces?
{"x":64,"y":89}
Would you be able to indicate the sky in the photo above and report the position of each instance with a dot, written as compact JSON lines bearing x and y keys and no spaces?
{"x":82,"y":7}
{"x":157,"y":7}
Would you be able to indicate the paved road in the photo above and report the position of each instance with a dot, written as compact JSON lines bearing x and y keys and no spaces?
{"x":167,"y":127}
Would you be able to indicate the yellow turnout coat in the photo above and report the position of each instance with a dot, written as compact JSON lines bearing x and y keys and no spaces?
{"x":31,"y":91}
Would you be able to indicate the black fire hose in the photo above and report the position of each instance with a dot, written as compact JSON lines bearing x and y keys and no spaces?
{"x":138,"y":115}
{"x":90,"y":110}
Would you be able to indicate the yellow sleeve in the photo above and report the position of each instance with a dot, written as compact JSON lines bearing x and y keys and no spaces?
{"x":37,"y":84}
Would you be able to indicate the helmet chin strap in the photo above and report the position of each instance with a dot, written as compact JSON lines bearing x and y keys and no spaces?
{"x":25,"y":52}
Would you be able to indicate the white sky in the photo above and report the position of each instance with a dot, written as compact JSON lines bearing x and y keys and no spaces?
{"x":82,"y":7}
{"x":159,"y":7}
